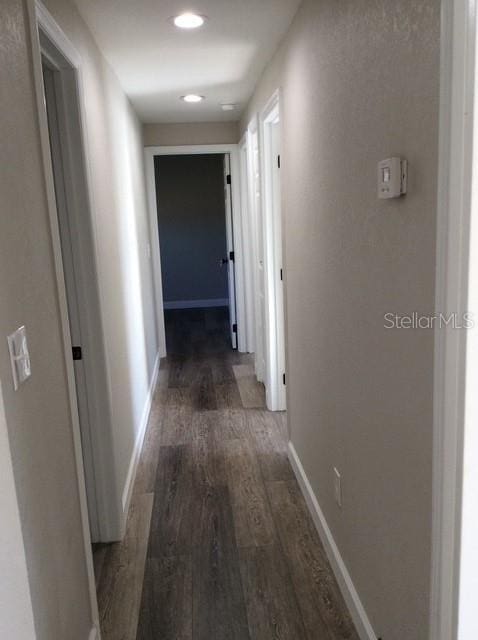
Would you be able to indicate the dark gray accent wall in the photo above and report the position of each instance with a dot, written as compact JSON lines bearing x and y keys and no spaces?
{"x":192,"y":226}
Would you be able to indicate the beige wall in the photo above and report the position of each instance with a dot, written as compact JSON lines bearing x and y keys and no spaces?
{"x":114,"y":141}
{"x":360,"y":83}
{"x":38,"y":414}
{"x":190,"y":133}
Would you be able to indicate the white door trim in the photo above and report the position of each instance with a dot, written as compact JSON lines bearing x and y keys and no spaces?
{"x":272,"y":235}
{"x":457,"y":82}
{"x":232,"y":150}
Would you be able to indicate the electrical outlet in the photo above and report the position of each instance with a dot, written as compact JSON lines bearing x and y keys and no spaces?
{"x":337,"y":487}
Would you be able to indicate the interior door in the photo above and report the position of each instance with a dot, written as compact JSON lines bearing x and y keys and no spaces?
{"x":230,"y":251}
{"x":68,"y":259}
{"x":259,"y":272}
{"x":278,"y":262}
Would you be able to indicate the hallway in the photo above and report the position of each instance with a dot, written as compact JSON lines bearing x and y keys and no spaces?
{"x":154,"y":488}
{"x":232,"y":551}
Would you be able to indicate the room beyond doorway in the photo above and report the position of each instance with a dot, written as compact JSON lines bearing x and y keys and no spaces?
{"x":192,"y":230}
{"x":196,"y":233}
{"x":234,"y":234}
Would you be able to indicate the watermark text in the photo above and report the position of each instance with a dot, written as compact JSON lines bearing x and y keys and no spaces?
{"x":416,"y":320}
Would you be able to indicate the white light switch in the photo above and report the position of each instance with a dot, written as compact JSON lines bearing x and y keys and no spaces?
{"x":19,"y":356}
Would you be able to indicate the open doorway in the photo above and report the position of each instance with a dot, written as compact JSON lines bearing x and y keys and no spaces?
{"x":53,"y":96}
{"x":196,"y":236}
{"x":228,"y":264}
{"x":234,"y":255}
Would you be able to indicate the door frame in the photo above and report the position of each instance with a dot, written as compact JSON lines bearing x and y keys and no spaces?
{"x":217,"y":149}
{"x":273,"y":249}
{"x":454,"y":212}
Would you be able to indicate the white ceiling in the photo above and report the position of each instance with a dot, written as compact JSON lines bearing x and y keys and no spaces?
{"x":157,"y":63}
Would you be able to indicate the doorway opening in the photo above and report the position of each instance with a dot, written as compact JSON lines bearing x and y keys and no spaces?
{"x":196,"y":237}
{"x":227,"y":264}
{"x":51,"y":83}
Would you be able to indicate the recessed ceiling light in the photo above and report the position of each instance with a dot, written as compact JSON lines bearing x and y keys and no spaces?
{"x":189,"y":21}
{"x":228,"y":107}
{"x":192,"y":97}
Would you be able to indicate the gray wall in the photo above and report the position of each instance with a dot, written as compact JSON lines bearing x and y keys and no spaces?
{"x":360,"y":83}
{"x":192,"y":227}
{"x":185,"y":133}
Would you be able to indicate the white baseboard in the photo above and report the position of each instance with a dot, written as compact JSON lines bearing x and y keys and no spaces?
{"x":351,"y":597}
{"x":196,"y":304}
{"x":133,"y":465}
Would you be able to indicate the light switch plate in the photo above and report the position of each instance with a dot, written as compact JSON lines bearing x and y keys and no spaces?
{"x":19,"y":356}
{"x":392,"y":178}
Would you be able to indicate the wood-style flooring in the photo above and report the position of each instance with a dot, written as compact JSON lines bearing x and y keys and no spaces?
{"x":219,"y":543}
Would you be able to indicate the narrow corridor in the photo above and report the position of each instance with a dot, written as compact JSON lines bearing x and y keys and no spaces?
{"x":232,"y":552}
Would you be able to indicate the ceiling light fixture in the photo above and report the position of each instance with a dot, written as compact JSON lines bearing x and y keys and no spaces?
{"x":189,"y":21}
{"x":192,"y":97}
{"x":228,"y":107}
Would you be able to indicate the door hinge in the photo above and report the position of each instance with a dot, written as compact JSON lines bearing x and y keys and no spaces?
{"x":278,"y":162}
{"x":234,"y":328}
{"x":281,"y":275}
{"x":283,"y":378}
{"x":228,"y":178}
{"x":77,"y":353}
{"x":231,"y":255}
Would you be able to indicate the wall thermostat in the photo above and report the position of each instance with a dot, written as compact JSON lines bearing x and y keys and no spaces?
{"x":392,"y":178}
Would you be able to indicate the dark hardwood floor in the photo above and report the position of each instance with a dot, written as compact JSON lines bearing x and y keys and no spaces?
{"x":232,"y":553}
